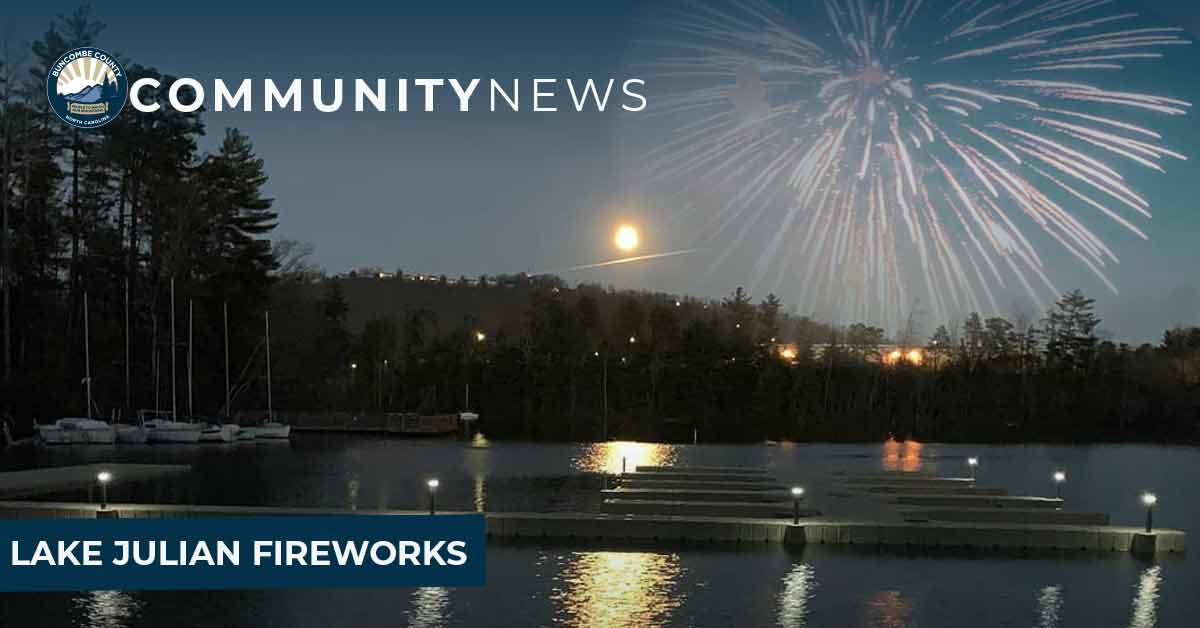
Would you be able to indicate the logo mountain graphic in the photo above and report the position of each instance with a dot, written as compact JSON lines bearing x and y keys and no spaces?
{"x":92,"y":93}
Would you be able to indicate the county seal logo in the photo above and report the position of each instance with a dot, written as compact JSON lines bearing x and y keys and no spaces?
{"x":87,"y":87}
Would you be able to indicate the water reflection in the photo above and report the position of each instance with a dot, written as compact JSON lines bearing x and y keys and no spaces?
{"x":904,"y":456}
{"x":384,"y":491}
{"x":607,"y":457}
{"x":888,"y":610}
{"x":798,"y":587}
{"x":601,"y":589}
{"x":107,"y":609}
{"x":352,"y":485}
{"x":480,"y":493}
{"x":429,"y":608}
{"x":1145,"y":602}
{"x":1049,"y":606}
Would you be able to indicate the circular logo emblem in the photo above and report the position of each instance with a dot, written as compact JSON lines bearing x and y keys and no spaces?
{"x":87,"y":88}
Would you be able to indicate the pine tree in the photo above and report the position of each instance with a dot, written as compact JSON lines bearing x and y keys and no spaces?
{"x":238,"y":218}
{"x":1071,"y":331}
{"x":768,"y":318}
{"x":66,"y":33}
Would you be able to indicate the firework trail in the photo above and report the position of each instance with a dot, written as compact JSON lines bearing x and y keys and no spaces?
{"x":619,"y":261}
{"x":907,"y":150}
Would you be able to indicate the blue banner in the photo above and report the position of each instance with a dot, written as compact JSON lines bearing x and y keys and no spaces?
{"x":242,"y":553}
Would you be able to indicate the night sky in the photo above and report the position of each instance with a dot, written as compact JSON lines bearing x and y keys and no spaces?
{"x":487,"y":193}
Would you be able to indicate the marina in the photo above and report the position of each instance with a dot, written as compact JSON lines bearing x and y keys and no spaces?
{"x":758,"y":513}
{"x":554,"y":537}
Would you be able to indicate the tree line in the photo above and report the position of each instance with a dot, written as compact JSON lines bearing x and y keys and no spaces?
{"x":588,"y":362}
{"x":104,"y":221}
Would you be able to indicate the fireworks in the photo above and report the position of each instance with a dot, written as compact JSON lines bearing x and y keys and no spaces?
{"x":912,"y":151}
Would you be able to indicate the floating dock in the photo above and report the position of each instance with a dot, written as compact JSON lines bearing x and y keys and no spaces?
{"x":614,"y":527}
{"x":934,"y":520}
{"x":711,"y":509}
{"x":693,"y":469}
{"x":977,"y":501}
{"x":691,"y":494}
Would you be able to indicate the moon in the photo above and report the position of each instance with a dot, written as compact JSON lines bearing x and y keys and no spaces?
{"x":626,"y":238}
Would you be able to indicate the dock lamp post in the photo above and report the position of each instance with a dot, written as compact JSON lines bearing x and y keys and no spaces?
{"x":104,"y":477}
{"x":1059,"y":478}
{"x":797,"y":494}
{"x":972,"y":462}
{"x":432,"y":484}
{"x":1149,"y":500}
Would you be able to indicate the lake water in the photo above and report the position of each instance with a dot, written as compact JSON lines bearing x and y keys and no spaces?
{"x":582,"y":585}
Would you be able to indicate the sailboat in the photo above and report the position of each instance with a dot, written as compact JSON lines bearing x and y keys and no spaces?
{"x":163,"y":430}
{"x":241,"y":434}
{"x":128,"y":434}
{"x":210,"y":432}
{"x":49,"y":434}
{"x":131,"y":434}
{"x":270,"y":428}
{"x":79,"y":430}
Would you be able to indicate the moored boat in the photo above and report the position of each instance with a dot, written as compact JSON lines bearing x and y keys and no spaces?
{"x":168,"y":431}
{"x":74,"y":430}
{"x":131,"y":434}
{"x":219,"y":433}
{"x":270,"y":430}
{"x":89,"y":431}
{"x":49,"y":434}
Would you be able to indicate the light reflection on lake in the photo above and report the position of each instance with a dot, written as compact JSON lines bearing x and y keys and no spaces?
{"x":798,"y":588}
{"x":430,"y":608}
{"x":479,"y":493}
{"x":107,"y":609}
{"x":1049,"y":606}
{"x":609,"y":457}
{"x":904,"y":456}
{"x":1145,"y":601}
{"x":888,"y":609}
{"x":352,"y":486}
{"x":608,"y":589}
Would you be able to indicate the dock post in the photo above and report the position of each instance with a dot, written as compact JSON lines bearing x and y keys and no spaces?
{"x":622,"y":465}
{"x":104,"y":477}
{"x":797,"y":493}
{"x":1149,"y":500}
{"x":432,"y":484}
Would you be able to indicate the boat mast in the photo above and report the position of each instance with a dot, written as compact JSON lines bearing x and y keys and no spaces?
{"x":154,"y":353}
{"x":173,"y":378}
{"x":270,"y":412}
{"x":225,"y":317}
{"x":191,"y":411}
{"x":128,"y":396}
{"x":87,"y":356}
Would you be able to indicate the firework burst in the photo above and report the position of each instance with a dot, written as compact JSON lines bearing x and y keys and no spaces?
{"x":907,"y":151}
